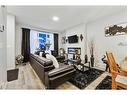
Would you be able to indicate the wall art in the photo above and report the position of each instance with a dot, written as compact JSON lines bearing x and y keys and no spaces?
{"x":119,"y":29}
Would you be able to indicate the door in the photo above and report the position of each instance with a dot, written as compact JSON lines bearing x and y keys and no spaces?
{"x":3,"y":64}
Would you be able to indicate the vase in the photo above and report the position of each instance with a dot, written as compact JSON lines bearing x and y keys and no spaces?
{"x":47,"y":47}
{"x":86,"y":58}
{"x":92,"y":60}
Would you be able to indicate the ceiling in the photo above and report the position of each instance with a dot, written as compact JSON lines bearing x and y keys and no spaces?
{"x":41,"y":16}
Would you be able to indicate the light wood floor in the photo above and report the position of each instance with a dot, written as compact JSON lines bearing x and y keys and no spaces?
{"x":27,"y":79}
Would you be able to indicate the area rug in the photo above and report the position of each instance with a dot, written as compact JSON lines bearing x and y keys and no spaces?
{"x":83,"y":79}
{"x":105,"y":84}
{"x":12,"y":74}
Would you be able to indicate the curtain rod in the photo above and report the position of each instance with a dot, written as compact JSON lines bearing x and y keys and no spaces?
{"x":43,"y":30}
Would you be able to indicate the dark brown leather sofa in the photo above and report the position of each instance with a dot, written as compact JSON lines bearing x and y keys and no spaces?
{"x":49,"y":75}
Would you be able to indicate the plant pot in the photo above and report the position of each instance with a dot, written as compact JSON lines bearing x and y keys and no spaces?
{"x":92,"y":60}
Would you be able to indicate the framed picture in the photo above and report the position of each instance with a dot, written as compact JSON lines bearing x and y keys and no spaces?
{"x":114,"y":30}
{"x":72,"y":50}
{"x":63,"y":40}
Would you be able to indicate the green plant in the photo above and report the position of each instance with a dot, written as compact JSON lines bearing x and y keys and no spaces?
{"x":47,"y":44}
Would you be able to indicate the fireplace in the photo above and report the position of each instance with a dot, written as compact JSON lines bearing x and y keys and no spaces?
{"x":71,"y":50}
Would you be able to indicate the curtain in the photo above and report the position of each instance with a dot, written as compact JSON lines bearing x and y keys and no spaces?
{"x":25,"y":44}
{"x":56,"y":43}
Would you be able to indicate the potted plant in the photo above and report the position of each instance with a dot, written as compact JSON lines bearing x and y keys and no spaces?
{"x":47,"y":45}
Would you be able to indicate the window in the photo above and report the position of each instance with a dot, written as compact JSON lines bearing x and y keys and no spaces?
{"x":39,"y":39}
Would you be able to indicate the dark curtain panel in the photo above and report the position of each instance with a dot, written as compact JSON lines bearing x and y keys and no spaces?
{"x":25,"y":44}
{"x":56,"y":43}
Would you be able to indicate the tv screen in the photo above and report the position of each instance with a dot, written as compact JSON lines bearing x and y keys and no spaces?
{"x":73,"y":39}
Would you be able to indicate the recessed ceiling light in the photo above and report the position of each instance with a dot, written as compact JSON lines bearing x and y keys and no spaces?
{"x":55,"y":18}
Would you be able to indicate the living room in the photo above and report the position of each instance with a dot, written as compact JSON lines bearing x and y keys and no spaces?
{"x":64,"y":31}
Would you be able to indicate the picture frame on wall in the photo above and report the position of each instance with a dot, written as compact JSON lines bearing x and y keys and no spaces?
{"x":63,"y":40}
{"x":114,"y":30}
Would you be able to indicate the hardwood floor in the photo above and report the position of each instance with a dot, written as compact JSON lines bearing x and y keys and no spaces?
{"x":28,"y":79}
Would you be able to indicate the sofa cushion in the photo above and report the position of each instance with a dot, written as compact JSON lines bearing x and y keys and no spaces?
{"x":121,"y":79}
{"x":40,"y":53}
{"x":34,"y":56}
{"x":44,"y":61}
{"x":63,"y":69}
{"x":55,"y":62}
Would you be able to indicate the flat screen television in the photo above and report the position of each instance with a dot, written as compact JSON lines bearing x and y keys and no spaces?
{"x":73,"y":39}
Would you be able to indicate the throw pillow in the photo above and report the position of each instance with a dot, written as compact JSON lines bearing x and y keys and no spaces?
{"x":40,"y":54}
{"x":55,"y":62}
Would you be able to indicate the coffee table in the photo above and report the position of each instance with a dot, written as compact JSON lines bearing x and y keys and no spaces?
{"x":81,"y":66}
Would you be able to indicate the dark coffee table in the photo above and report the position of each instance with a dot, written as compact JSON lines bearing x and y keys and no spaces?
{"x":81,"y":66}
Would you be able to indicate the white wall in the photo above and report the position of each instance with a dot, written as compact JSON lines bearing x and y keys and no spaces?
{"x":18,"y":40}
{"x":78,"y":30}
{"x":95,"y":30}
{"x":3,"y":55}
{"x":10,"y":42}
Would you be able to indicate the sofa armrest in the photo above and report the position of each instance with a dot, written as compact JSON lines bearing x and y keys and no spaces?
{"x":57,"y":76}
{"x":59,"y":71}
